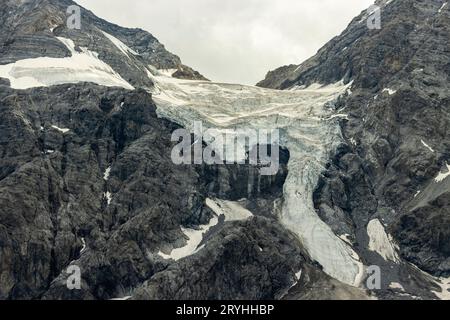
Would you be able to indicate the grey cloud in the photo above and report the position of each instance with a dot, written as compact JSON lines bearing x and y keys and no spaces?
{"x":235,"y":40}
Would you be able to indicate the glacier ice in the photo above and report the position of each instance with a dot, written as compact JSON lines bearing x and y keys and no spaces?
{"x":427,"y":146}
{"x":307,"y":128}
{"x":232,"y":211}
{"x":84,"y":66}
{"x":380,"y":241}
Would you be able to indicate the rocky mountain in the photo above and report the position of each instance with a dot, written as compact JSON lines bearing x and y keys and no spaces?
{"x":87,"y":179}
{"x":393,"y":166}
{"x":31,"y":30}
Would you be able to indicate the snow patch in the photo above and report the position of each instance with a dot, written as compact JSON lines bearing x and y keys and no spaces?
{"x":442,"y":176}
{"x":108,"y":196}
{"x":194,"y":237}
{"x":53,"y":27}
{"x":84,"y":245}
{"x":445,"y":289}
{"x":339,"y":115}
{"x":167,"y":72}
{"x":301,"y":116}
{"x":107,"y":173}
{"x":444,"y":283}
{"x":396,"y":285}
{"x":389,"y":91}
{"x":232,"y":211}
{"x":346,"y":238}
{"x":120,"y":45}
{"x":84,"y":66}
{"x":122,"y":299}
{"x":380,"y":241}
{"x":62,"y":130}
{"x":427,"y":146}
{"x":442,"y":8}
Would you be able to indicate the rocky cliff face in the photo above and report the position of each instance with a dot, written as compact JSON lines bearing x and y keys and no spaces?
{"x":87,"y":180}
{"x":393,"y":167}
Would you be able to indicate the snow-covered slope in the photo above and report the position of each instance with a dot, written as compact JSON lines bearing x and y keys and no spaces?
{"x":84,"y":66}
{"x":307,"y":128}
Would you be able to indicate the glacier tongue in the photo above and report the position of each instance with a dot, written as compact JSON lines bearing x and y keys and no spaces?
{"x":306,"y":129}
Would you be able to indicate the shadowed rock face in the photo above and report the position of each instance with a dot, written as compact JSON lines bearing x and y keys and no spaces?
{"x":396,"y":132}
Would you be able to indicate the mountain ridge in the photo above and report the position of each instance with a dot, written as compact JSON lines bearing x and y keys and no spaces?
{"x":86,"y":177}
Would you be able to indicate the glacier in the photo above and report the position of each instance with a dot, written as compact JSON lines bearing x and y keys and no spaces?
{"x":84,"y":66}
{"x":308,"y":128}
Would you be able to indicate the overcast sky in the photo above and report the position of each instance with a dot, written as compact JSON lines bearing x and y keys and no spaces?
{"x":235,"y":41}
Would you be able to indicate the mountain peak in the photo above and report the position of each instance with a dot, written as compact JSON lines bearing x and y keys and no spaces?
{"x":32,"y":29}
{"x":368,"y":55}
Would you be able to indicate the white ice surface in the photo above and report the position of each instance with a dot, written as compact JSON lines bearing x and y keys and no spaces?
{"x":232,"y":211}
{"x":346,"y":238}
{"x":427,"y":146}
{"x":380,"y":241}
{"x":444,"y":283}
{"x":389,"y":91}
{"x":167,"y":72}
{"x":122,"y":299}
{"x":396,"y":285}
{"x":107,"y":173}
{"x":84,"y":66}
{"x":84,"y":245}
{"x":445,"y":287}
{"x":307,"y":129}
{"x":107,"y":195}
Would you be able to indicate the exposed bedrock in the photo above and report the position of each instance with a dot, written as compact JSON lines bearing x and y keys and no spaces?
{"x":87,"y":168}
